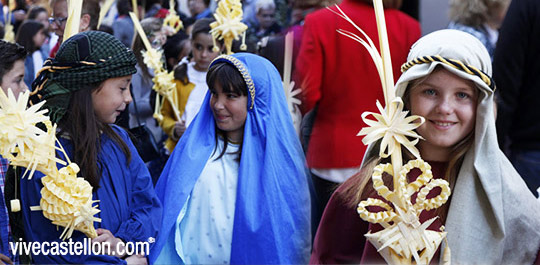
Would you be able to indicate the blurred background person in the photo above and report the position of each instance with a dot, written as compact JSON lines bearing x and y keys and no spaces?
{"x":336,"y":78}
{"x":273,"y":47}
{"x":141,"y":110}
{"x":123,"y":26}
{"x":198,"y":9}
{"x":480,"y":18}
{"x":31,"y":35}
{"x":41,"y":15}
{"x":190,"y":81}
{"x":177,"y":47}
{"x":516,"y":66}
{"x":89,"y":19}
{"x":265,"y":23}
{"x":18,"y":14}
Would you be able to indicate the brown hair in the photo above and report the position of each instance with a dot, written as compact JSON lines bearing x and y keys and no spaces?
{"x":231,"y":81}
{"x":11,"y":52}
{"x":474,"y":13}
{"x":91,"y":8}
{"x":83,"y":128}
{"x":26,"y":33}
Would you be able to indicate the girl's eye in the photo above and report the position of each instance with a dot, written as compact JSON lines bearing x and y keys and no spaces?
{"x":198,"y":47}
{"x":429,"y":92}
{"x":231,"y":95}
{"x":123,"y":88}
{"x":463,"y":95}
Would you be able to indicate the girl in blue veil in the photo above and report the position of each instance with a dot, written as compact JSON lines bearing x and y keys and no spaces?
{"x":235,"y":188}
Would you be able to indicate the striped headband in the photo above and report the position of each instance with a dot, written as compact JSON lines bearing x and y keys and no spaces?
{"x":243,"y":71}
{"x":453,"y":63}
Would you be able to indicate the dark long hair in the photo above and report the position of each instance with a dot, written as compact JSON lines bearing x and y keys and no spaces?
{"x":91,"y":8}
{"x":84,"y":129}
{"x":231,"y":81}
{"x":26,"y":33}
{"x":35,"y":11}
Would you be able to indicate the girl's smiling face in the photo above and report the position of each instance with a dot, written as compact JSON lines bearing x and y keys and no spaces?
{"x":448,"y":103}
{"x":111,"y":98}
{"x":230,"y":111}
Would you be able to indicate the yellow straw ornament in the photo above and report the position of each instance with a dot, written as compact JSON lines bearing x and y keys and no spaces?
{"x":74,"y":18}
{"x":66,"y":200}
{"x":228,"y":25}
{"x":163,"y":80}
{"x":172,"y":20}
{"x":104,"y":9}
{"x":9,"y":32}
{"x":404,"y":240}
{"x":68,"y":203}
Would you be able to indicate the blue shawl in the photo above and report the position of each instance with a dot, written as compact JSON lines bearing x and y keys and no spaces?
{"x":272,"y":214}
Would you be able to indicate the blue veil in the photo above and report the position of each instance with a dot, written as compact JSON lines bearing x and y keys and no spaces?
{"x":272,"y":214}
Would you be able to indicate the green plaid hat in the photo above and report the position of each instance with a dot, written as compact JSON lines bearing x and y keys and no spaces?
{"x":87,"y":58}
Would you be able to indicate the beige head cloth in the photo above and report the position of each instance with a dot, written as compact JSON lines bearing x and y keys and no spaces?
{"x":493,"y":218}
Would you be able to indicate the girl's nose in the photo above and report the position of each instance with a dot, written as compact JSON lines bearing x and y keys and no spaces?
{"x":445,"y":106}
{"x":217,"y":102}
{"x":204,"y":53}
{"x":127,"y":96}
{"x":24,"y":87}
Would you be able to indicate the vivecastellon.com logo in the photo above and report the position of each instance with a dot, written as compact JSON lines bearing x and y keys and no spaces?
{"x":84,"y":247}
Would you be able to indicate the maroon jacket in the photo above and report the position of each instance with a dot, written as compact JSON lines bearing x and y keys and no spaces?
{"x":340,"y":238}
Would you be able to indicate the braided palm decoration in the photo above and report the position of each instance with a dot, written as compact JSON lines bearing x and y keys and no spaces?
{"x":66,"y":200}
{"x":74,"y":18}
{"x":163,"y":81}
{"x":404,"y":239}
{"x":172,"y":20}
{"x":228,"y":25}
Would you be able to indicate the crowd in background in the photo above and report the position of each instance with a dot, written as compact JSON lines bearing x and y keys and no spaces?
{"x":337,"y":79}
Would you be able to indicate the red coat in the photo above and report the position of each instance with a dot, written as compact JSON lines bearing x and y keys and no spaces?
{"x":339,"y":74}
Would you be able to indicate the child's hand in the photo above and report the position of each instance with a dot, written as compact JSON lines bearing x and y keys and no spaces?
{"x":179,"y":129}
{"x":5,"y":260}
{"x":136,"y":259}
{"x":105,"y":235}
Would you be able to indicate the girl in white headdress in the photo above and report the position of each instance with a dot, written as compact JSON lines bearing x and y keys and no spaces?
{"x":491,"y":217}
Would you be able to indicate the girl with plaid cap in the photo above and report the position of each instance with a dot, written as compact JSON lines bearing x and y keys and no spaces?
{"x":86,"y":86}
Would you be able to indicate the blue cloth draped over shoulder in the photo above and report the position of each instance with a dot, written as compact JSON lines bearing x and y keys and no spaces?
{"x":129,"y":206}
{"x":272,"y":212}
